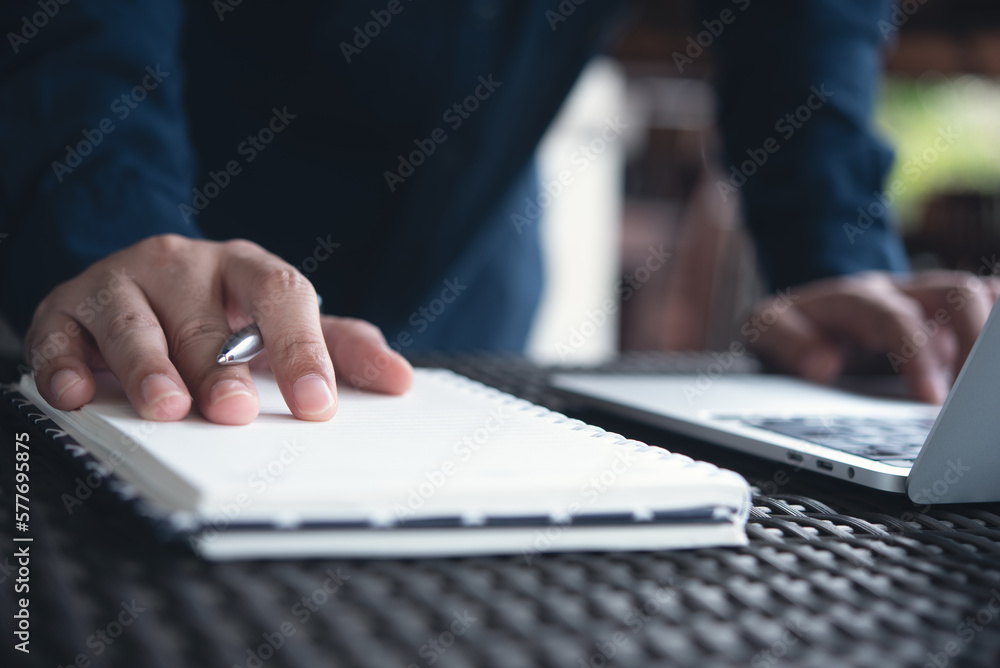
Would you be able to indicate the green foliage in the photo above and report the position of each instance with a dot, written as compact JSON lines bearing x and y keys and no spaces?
{"x":913,"y":113}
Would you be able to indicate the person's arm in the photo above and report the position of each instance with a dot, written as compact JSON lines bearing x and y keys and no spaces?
{"x":96,"y":152}
{"x":96,"y":164}
{"x":798,"y":82}
{"x":797,"y":87}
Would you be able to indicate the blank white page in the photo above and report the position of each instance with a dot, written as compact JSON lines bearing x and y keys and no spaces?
{"x":450,"y":446}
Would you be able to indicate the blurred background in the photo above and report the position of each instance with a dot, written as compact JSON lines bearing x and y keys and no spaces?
{"x":654,"y":184}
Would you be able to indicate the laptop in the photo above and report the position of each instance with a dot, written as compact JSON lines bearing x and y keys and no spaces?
{"x":946,"y":454}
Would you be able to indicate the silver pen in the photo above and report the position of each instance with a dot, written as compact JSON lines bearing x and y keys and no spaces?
{"x":242,"y":346}
{"x":245,"y":344}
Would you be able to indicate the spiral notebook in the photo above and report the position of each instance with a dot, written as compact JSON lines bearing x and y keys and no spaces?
{"x":451,"y":468}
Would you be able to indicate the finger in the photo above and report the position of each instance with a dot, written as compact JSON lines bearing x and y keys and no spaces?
{"x":363,"y":358}
{"x":944,"y":345}
{"x":194,"y":317}
{"x":993,"y":283}
{"x":283,"y":303}
{"x":192,"y":309}
{"x":795,"y":345}
{"x":886,"y":320}
{"x":130,"y":339}
{"x":57,"y":348}
{"x":960,"y":300}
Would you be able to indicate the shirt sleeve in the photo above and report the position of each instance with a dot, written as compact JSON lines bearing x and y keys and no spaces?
{"x":96,"y":153}
{"x":798,"y":82}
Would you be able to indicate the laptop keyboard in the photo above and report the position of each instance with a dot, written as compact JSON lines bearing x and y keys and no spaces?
{"x":894,"y":441}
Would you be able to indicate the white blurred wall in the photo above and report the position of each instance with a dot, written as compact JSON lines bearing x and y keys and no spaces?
{"x":581,"y":227}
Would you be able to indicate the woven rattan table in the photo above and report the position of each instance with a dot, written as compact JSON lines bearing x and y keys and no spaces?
{"x":834,"y":576}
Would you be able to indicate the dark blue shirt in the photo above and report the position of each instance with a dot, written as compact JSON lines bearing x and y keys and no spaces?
{"x":383,"y":148}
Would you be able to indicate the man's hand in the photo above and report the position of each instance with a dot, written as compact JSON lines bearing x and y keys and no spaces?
{"x":157,"y":313}
{"x":925,"y":325}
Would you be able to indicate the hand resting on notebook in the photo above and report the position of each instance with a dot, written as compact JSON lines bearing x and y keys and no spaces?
{"x":157,"y":312}
{"x":923,"y":324}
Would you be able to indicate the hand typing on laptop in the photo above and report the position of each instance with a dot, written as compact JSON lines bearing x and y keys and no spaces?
{"x":925,"y":324}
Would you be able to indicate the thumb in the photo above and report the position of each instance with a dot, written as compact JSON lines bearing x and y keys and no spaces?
{"x":793,"y":344}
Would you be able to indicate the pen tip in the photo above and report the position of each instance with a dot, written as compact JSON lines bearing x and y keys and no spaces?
{"x":222,"y":359}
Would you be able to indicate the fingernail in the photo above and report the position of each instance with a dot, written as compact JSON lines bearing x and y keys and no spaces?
{"x":312,"y":395}
{"x":62,"y":380}
{"x":228,"y":388}
{"x":156,"y":387}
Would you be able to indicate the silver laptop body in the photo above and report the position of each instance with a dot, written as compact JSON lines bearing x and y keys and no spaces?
{"x":946,"y":455}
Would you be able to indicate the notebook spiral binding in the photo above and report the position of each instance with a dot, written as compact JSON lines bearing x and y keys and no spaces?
{"x":91,"y":473}
{"x":683,"y":461}
{"x":574,"y":424}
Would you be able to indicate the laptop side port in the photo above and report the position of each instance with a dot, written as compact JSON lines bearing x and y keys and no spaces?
{"x":826,"y":466}
{"x":795,"y":457}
